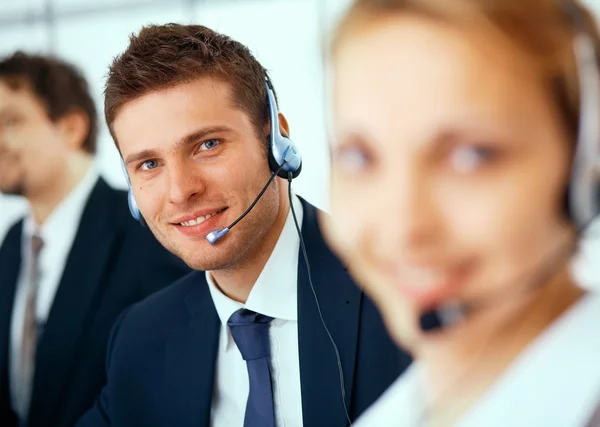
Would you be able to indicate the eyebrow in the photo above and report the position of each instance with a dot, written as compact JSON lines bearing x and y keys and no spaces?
{"x":186,"y":140}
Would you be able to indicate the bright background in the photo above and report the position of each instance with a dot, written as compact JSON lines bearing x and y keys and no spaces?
{"x":285,"y":35}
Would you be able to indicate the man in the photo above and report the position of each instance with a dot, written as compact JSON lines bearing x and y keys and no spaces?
{"x":75,"y":262}
{"x":240,"y":342}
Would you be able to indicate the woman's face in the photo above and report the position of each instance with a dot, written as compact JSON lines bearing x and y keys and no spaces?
{"x":450,"y":166}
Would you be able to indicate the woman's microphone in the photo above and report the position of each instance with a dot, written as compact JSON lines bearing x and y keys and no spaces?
{"x":452,"y":312}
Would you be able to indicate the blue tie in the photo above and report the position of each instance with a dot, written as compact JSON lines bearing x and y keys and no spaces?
{"x":250,"y":332}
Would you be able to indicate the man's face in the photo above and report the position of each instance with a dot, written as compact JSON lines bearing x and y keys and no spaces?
{"x":196,"y":163}
{"x":32,"y":150}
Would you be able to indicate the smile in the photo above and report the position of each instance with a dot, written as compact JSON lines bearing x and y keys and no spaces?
{"x":200,"y":219}
{"x":430,"y":286}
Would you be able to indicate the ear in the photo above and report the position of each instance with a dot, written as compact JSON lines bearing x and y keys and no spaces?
{"x":284,"y":128}
{"x":74,"y":127}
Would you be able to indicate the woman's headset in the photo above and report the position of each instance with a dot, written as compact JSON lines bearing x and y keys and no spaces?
{"x":584,"y":185}
{"x":583,"y":193}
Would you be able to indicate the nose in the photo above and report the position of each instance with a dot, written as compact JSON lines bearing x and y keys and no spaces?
{"x":184,"y":184}
{"x":4,"y":146}
{"x":410,"y":221}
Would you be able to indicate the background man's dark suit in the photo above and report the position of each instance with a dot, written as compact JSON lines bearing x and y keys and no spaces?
{"x":113,"y":263}
{"x":162,"y":353}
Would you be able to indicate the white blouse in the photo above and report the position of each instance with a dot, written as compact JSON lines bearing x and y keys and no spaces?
{"x":554,"y":382}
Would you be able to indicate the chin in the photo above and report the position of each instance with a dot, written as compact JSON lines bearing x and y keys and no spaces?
{"x":207,"y":257}
{"x":14,"y":188}
{"x":203,"y":263}
{"x":402,"y":326}
{"x":399,"y":316}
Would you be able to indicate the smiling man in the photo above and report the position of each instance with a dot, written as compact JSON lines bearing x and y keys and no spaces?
{"x":241,"y":341}
{"x":199,"y":168}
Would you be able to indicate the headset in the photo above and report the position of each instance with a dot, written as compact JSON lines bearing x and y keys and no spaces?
{"x":584,"y":187}
{"x":284,"y":158}
{"x":583,"y":192}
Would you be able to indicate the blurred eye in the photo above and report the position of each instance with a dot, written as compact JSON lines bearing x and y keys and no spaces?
{"x":351,"y":160}
{"x":148,"y":165}
{"x":9,"y":121}
{"x":467,"y":158}
{"x":209,"y":145}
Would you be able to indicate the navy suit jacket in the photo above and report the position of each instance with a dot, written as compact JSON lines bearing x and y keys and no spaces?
{"x":113,"y":263}
{"x":162,"y":353}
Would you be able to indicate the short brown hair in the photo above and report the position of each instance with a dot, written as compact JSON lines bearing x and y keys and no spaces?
{"x":60,"y":86}
{"x":163,"y":56}
{"x":543,"y":30}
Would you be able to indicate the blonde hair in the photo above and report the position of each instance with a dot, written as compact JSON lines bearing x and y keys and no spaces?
{"x":542,"y":30}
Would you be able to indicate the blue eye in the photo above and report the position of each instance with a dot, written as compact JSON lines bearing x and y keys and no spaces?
{"x":149,"y":165}
{"x":352,"y":159}
{"x":467,"y":158}
{"x":209,"y":145}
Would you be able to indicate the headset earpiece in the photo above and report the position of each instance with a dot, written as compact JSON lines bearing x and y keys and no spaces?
{"x":283,"y":154}
{"x":584,"y":186}
{"x":133,"y":207}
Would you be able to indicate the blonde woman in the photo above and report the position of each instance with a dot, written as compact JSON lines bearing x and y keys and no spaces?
{"x":465,"y":140}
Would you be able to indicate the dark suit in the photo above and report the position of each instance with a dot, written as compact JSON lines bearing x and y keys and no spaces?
{"x":162,"y":352}
{"x":113,"y":263}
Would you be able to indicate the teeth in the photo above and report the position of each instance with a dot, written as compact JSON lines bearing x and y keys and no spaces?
{"x":422,"y":278}
{"x":198,"y":220}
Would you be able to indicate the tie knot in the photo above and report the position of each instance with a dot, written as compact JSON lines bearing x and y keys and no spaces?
{"x":250,"y":331}
{"x":36,"y":244}
{"x":245,"y":316}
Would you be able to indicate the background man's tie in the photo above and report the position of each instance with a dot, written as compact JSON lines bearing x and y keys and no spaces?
{"x":30,"y":330}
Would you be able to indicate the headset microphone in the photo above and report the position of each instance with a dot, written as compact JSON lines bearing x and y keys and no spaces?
{"x":452,"y":312}
{"x":443,"y":316}
{"x":284,"y":160}
{"x":216,"y":235}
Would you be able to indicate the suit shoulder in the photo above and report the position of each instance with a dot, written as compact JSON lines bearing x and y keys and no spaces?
{"x":13,"y":234}
{"x":163,"y":307}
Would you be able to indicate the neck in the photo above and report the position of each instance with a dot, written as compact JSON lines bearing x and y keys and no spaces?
{"x":237,"y":282}
{"x":45,"y":200}
{"x":472,"y":357}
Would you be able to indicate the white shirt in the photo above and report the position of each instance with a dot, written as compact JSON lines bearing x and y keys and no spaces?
{"x":58,"y":234}
{"x":274,"y":294}
{"x":554,"y":382}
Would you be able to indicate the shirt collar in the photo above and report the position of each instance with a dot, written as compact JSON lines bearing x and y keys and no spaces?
{"x":62,"y":217}
{"x":274,"y":293}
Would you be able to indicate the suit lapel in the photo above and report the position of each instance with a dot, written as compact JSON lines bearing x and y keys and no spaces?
{"x":191,"y":357}
{"x":340,"y":303}
{"x":79,"y":289}
{"x":10,"y":264}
